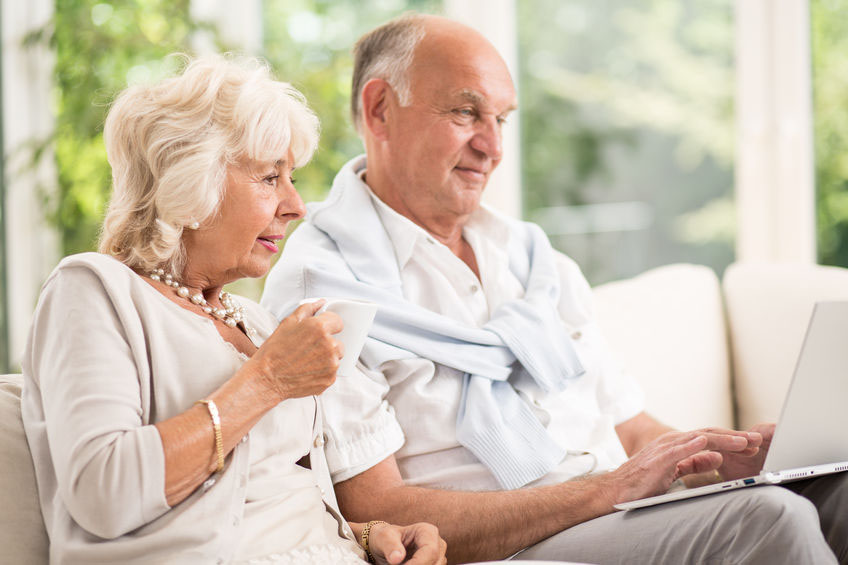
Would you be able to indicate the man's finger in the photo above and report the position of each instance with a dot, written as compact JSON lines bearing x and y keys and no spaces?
{"x":725,"y":442}
{"x":700,"y":462}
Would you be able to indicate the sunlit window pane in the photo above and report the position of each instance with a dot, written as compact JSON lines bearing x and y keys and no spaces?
{"x":627,"y":130}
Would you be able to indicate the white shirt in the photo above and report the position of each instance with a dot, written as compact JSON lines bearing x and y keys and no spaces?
{"x":409,"y":406}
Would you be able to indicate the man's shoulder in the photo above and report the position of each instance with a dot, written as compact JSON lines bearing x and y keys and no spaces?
{"x":308,"y":251}
{"x":309,"y":246}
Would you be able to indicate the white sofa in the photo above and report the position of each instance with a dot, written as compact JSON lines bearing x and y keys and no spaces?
{"x":706,"y":354}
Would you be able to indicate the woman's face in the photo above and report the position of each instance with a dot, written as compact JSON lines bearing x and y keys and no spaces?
{"x":259,"y":202}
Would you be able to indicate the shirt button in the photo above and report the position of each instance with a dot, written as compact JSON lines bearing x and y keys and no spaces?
{"x":474,"y":288}
{"x":537,"y":403}
{"x":236,"y":520}
{"x":576,"y":335}
{"x":243,"y":439}
{"x":431,"y":240}
{"x":322,"y":491}
{"x":207,"y":484}
{"x":320,"y":440}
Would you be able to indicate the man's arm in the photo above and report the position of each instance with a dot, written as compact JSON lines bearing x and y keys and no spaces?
{"x":638,"y":431}
{"x":493,"y":525}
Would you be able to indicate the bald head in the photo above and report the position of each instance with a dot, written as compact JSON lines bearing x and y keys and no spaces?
{"x":415,"y":45}
{"x":432,"y":149}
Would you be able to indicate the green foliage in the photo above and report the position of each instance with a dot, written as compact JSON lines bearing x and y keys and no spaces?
{"x":595,"y":80}
{"x":100,"y":47}
{"x":308,"y":43}
{"x":830,"y":104}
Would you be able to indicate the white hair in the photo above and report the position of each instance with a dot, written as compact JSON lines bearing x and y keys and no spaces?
{"x":386,"y":52}
{"x":169,"y":145}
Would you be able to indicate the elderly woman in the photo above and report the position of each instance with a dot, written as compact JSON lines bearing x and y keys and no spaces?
{"x":169,"y":421}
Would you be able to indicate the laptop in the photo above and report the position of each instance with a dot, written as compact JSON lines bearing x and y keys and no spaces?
{"x":810,"y":438}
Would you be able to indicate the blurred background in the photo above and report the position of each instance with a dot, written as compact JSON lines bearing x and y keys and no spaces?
{"x":649,"y":132}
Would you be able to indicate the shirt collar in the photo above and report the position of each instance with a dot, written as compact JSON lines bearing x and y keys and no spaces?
{"x":406,"y":234}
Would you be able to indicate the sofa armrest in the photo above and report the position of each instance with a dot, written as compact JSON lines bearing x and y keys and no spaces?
{"x":768,"y":309}
{"x":668,"y":329}
{"x":23,"y":538}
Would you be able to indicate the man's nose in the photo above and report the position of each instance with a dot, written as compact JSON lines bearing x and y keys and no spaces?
{"x":488,"y":138}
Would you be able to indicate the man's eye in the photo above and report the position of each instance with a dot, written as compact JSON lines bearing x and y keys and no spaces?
{"x":271,"y":179}
{"x":465,"y":112}
{"x":292,"y":180}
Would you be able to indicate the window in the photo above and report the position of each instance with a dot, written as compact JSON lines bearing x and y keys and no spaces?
{"x":627,"y":131}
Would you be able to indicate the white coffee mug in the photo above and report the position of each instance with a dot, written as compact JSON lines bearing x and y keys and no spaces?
{"x":357,"y":315}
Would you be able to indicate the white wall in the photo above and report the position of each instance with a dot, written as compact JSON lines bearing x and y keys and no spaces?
{"x":495,"y":19}
{"x":775,"y":189}
{"x":32,"y":246}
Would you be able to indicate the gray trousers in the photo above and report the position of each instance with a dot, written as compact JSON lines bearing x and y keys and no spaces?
{"x":768,"y":524}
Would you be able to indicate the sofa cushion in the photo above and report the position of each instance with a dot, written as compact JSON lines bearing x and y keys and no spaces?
{"x":667,"y":327}
{"x":768,"y":308}
{"x":23,"y":539}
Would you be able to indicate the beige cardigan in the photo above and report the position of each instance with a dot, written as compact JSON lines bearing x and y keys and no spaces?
{"x":108,"y":356}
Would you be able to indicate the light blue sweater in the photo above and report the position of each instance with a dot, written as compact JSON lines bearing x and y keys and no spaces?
{"x":343,"y":250}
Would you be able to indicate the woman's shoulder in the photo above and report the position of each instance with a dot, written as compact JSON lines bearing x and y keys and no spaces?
{"x":104,"y":265}
{"x":91,"y":272}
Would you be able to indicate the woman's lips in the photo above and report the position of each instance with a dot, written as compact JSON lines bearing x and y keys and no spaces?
{"x":268,"y":244}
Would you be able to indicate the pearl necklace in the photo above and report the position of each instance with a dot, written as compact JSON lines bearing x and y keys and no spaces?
{"x":230,"y":314}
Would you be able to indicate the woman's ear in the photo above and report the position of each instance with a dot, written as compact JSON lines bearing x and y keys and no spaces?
{"x":377,"y":98}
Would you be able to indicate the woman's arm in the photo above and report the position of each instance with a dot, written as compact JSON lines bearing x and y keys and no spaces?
{"x":113,"y":471}
{"x":299,"y":359}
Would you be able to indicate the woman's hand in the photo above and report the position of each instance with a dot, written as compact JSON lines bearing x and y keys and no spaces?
{"x":301,"y":357}
{"x":417,"y":544}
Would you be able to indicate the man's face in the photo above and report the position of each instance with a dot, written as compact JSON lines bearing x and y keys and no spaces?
{"x":446,"y":143}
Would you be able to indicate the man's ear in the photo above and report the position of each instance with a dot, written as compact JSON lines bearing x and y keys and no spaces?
{"x":377,"y":98}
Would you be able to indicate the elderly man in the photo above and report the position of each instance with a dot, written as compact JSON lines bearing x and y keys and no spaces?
{"x":485,"y":400}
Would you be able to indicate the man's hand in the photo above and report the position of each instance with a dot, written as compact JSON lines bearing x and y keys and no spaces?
{"x":418,"y":544}
{"x":736,"y":465}
{"x":675,"y":454}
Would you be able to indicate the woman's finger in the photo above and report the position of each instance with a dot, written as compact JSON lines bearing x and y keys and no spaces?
{"x":308,"y":309}
{"x":386,"y":540}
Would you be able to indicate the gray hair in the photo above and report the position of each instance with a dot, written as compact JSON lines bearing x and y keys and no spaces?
{"x":385,"y":52}
{"x":170,"y":143}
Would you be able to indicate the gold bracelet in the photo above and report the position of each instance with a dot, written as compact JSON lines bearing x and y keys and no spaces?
{"x":363,"y":539}
{"x":216,"y":427}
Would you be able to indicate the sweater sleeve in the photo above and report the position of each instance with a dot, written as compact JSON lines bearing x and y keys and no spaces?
{"x":87,"y":406}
